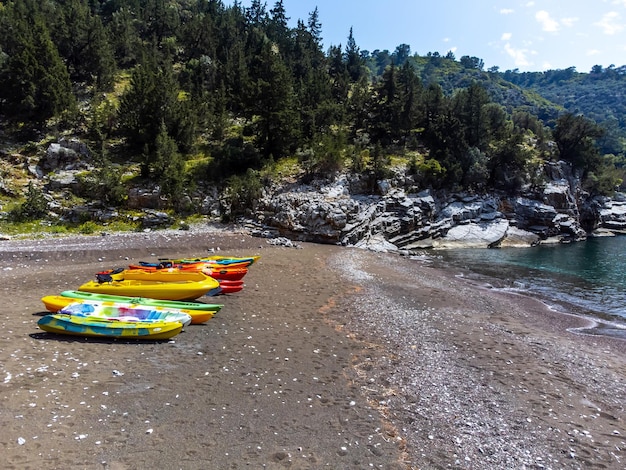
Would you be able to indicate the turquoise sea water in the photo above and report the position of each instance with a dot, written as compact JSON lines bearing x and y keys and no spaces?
{"x":585,"y":277}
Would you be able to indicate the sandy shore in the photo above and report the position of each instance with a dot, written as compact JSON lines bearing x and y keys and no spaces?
{"x":329,"y":358}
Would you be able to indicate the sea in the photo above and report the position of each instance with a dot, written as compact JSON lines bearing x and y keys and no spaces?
{"x":585,"y":278}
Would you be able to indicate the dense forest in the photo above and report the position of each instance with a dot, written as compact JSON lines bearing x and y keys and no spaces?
{"x":191,"y":92}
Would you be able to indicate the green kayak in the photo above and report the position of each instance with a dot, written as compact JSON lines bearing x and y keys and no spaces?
{"x":76,"y":294}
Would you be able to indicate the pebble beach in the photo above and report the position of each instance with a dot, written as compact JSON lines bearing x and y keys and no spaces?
{"x":329,"y":357}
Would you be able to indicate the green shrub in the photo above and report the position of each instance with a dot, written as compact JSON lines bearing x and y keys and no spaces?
{"x":34,"y":207}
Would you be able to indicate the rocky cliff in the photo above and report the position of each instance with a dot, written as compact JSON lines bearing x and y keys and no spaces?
{"x":399,"y":217}
{"x":330,"y":211}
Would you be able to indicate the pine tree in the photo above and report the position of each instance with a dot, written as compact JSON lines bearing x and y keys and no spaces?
{"x":34,"y":82}
{"x":274,"y":106}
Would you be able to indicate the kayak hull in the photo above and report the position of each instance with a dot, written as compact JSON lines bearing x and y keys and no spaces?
{"x":74,"y":325}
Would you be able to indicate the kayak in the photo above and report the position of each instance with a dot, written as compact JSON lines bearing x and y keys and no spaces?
{"x":216,"y":260}
{"x":123,"y":312}
{"x":155,"y":285}
{"x":61,"y":323}
{"x":230,"y":287}
{"x":230,"y":273}
{"x":58,"y":303}
{"x":76,"y":294}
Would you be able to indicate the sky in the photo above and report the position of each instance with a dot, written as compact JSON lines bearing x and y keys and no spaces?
{"x":528,"y":35}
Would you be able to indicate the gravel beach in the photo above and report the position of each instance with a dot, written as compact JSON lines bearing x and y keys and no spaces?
{"x":328,"y":358}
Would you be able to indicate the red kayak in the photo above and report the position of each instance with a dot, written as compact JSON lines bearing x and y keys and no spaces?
{"x":230,"y":274}
{"x":230,"y":287}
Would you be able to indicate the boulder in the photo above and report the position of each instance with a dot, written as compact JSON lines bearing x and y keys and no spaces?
{"x":474,"y":235}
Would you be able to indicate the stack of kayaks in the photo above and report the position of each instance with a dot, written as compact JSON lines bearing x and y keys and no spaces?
{"x":228,"y":272}
{"x":144,"y":301}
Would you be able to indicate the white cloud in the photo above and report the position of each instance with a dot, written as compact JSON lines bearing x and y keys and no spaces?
{"x":591,"y":52}
{"x":530,"y":4}
{"x":506,"y":36}
{"x":508,"y":11}
{"x":546,"y":66}
{"x":569,"y":22}
{"x":610,"y":23}
{"x":519,"y":55}
{"x":547,"y":22}
{"x":620,"y":2}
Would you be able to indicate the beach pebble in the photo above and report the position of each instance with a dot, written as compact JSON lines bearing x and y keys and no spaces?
{"x":21,"y":441}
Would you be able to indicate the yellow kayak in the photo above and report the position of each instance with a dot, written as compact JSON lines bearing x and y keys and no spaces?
{"x":55,"y":303}
{"x":75,"y":325}
{"x":155,"y":285}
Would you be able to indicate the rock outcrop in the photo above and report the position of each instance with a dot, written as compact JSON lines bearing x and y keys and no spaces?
{"x":398,"y":217}
{"x":327,"y":211}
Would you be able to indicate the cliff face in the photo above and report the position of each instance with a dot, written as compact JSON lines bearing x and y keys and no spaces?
{"x":340,"y":211}
{"x":332,"y":212}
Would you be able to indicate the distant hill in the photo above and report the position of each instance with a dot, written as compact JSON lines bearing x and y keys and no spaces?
{"x":599,"y":95}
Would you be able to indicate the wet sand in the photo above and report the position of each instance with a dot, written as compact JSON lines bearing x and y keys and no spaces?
{"x":329,"y":358}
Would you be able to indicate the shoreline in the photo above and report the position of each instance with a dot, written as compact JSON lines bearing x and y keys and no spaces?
{"x":478,"y":378}
{"x":330,"y":357}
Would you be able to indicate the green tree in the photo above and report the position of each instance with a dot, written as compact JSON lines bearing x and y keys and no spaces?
{"x":83,"y":43}
{"x":168,"y":166}
{"x":276,"y":125}
{"x":124,"y":36}
{"x":575,"y":137}
{"x":353,"y":60}
{"x":34,"y":207}
{"x":150,"y":101}
{"x":386,"y":109}
{"x":34,"y":82}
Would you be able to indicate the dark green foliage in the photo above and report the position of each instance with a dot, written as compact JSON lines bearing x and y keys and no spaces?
{"x":105,"y":184}
{"x":244,"y":85}
{"x":152,"y":102}
{"x":244,"y":192}
{"x":575,"y":137}
{"x":34,"y":82}
{"x":326,"y":157}
{"x":231,"y":157}
{"x":34,"y":207}
{"x":82,"y":41}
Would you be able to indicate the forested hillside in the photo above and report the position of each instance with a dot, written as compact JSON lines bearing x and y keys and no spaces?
{"x":192,"y":92}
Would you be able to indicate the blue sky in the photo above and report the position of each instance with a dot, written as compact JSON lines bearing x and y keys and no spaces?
{"x":529,"y":35}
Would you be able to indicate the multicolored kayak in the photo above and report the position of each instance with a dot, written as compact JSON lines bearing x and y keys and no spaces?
{"x":124,"y":312}
{"x":216,"y":260}
{"x":59,"y":304}
{"x":77,"y":294}
{"x":75,"y":325}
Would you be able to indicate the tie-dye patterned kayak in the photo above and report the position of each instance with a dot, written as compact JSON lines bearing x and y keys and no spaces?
{"x":57,"y":303}
{"x":77,"y":325}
